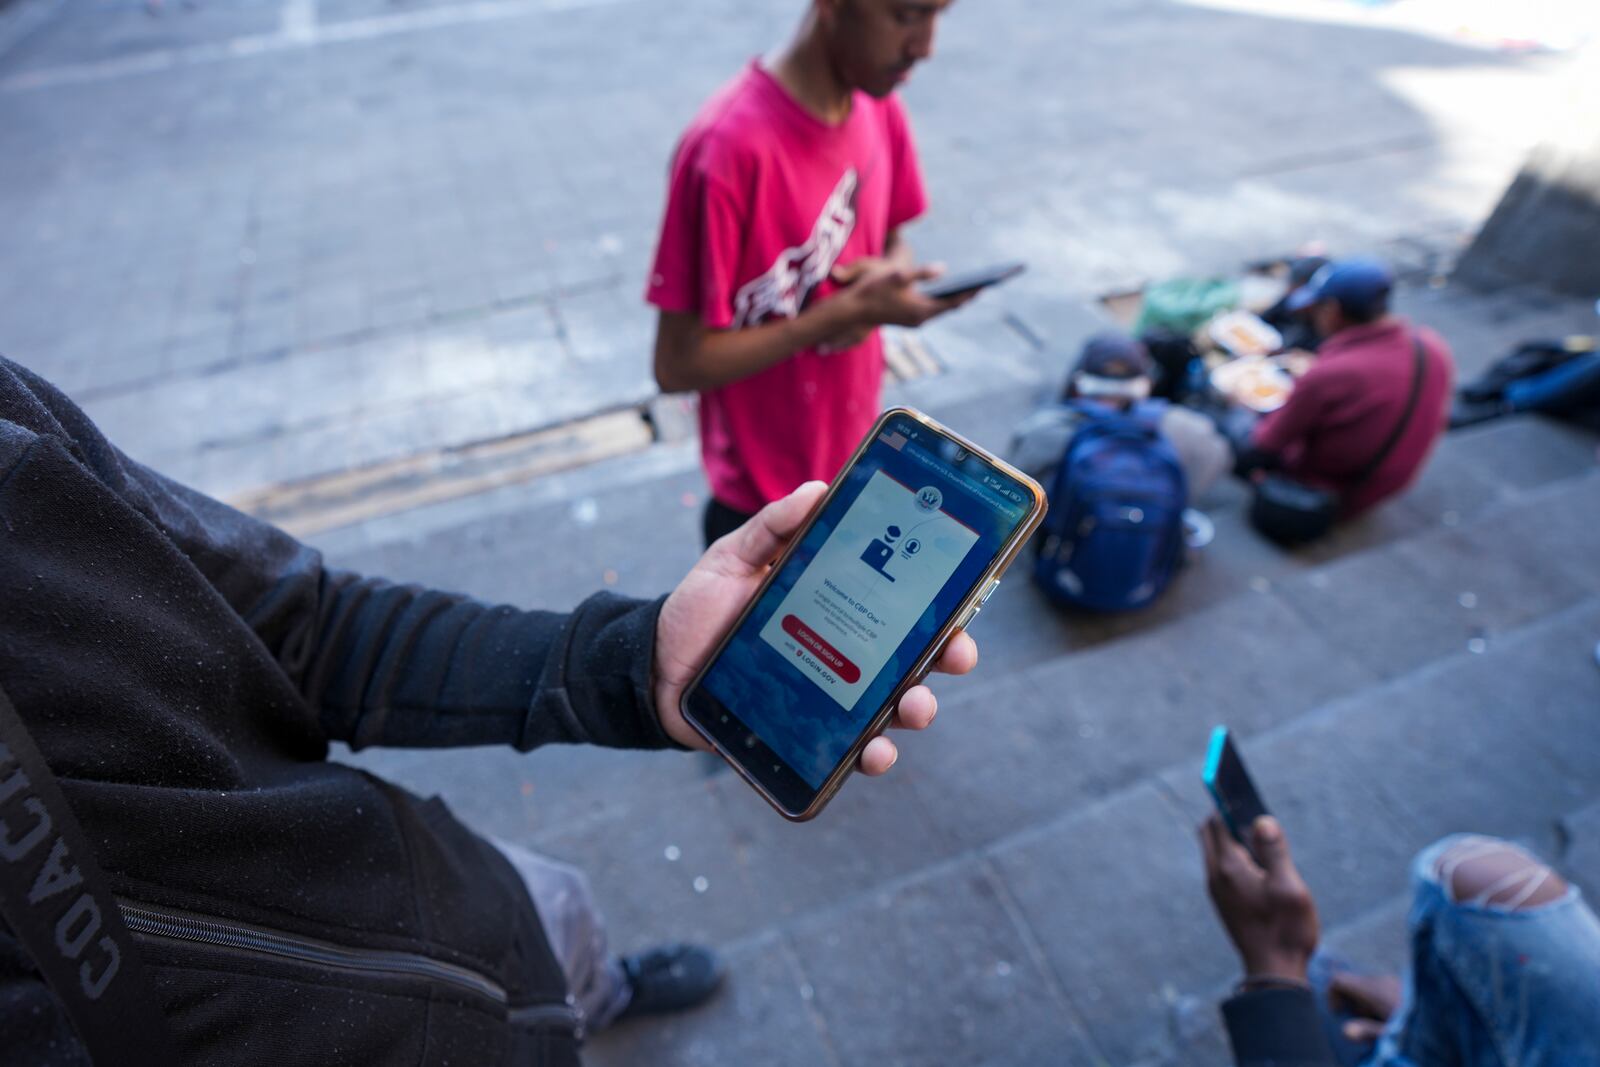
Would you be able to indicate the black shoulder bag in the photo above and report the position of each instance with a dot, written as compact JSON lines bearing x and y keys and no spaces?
{"x":1290,"y":512}
{"x":56,"y":901}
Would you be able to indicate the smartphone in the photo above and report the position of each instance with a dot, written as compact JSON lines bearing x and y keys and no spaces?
{"x":971,"y":281}
{"x":905,"y":548}
{"x":1231,"y":788}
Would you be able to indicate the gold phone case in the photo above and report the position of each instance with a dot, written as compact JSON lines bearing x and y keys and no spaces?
{"x":959,"y":619}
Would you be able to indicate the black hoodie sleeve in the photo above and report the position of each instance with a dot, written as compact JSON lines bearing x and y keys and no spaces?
{"x":398,"y":665}
{"x":1277,"y":1028}
{"x":382,"y":663}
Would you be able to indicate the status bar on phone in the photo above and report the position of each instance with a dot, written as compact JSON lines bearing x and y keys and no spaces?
{"x":963,"y":480}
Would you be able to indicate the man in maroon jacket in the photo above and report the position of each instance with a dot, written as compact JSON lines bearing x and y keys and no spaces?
{"x":1357,"y":393}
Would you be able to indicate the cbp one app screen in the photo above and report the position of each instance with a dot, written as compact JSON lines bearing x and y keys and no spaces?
{"x":891,"y":553}
{"x":908,"y":535}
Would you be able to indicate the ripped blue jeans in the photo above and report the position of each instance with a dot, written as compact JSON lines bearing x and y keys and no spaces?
{"x":1493,"y":986}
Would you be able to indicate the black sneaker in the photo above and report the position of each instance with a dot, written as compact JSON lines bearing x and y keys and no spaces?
{"x":671,"y":978}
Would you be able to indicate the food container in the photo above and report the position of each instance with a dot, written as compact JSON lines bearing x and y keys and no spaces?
{"x":1259,"y":384}
{"x":1240,"y":333}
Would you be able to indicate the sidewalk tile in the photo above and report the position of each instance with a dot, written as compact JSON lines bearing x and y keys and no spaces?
{"x":1400,"y":607}
{"x":934,"y":972}
{"x":873,"y":830}
{"x":1116,"y":898}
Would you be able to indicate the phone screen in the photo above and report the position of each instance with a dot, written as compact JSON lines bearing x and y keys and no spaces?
{"x":909,"y":533}
{"x":1231,"y":788}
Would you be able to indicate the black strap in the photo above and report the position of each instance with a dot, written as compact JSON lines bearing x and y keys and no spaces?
{"x":58,"y":905}
{"x":1418,"y":371}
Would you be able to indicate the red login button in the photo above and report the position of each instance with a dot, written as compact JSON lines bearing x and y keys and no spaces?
{"x":831,"y":657}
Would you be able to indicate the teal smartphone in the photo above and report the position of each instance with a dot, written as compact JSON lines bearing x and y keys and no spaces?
{"x":1230,"y":787}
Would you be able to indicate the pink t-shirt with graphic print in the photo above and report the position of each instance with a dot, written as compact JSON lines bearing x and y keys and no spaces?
{"x":765,"y":200}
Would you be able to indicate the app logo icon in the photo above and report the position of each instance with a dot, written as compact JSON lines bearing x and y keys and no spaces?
{"x":881,"y":550}
{"x":929,"y":498}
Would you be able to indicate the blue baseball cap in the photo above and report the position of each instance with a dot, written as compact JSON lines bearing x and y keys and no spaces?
{"x":1360,"y":284}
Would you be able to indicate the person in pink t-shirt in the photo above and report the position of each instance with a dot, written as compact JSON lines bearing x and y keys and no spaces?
{"x":781,"y":251}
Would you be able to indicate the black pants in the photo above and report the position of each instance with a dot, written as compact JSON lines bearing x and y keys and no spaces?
{"x":720,"y":519}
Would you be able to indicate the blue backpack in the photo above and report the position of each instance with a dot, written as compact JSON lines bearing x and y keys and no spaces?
{"x":1114,"y":536}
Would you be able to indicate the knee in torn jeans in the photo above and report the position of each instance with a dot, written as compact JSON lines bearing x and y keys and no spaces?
{"x":1486,"y":872}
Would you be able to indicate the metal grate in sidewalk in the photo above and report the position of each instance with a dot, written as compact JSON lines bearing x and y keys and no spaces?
{"x":325,"y":502}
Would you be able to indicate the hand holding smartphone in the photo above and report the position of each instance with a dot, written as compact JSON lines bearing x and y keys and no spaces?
{"x":900,"y":554}
{"x":1265,"y":906}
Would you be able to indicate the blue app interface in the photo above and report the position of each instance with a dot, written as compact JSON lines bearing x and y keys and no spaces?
{"x":908,"y":535}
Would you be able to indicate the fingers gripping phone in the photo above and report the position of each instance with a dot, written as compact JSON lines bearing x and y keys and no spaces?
{"x":1230,"y":787}
{"x":908,"y":543}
